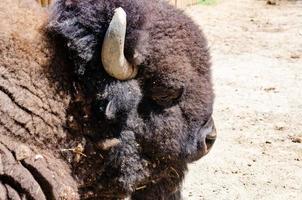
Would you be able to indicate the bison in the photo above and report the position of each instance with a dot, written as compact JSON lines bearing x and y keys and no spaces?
{"x":101,"y":99}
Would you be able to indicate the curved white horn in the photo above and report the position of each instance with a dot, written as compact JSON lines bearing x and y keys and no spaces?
{"x":113,"y":58}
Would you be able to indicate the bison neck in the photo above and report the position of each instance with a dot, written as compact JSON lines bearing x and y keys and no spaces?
{"x":33,"y":93}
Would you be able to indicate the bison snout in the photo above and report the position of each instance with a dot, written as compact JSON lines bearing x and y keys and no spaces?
{"x":201,"y":147}
{"x":210,"y":138}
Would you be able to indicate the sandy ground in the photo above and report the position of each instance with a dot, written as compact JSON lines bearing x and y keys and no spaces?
{"x":257,"y":72}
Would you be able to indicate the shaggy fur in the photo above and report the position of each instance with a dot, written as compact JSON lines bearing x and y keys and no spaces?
{"x":158,"y":115}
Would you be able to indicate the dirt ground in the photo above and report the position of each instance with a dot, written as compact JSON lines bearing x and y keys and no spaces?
{"x":257,"y":72}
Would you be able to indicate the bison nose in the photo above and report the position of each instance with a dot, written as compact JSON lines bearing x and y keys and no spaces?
{"x":209,"y":136}
{"x":210,"y":139}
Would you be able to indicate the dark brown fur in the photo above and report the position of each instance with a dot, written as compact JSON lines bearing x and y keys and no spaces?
{"x":163,"y":108}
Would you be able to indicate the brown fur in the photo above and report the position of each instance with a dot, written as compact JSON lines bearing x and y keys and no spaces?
{"x":31,"y":106}
{"x":53,"y":93}
{"x":158,"y":114}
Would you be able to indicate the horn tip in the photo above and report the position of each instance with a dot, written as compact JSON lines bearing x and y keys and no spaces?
{"x":120,"y":11}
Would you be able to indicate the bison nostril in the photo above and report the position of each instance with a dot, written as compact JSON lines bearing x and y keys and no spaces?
{"x":210,"y":139}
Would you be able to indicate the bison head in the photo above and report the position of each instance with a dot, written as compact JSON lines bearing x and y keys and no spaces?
{"x":142,"y":82}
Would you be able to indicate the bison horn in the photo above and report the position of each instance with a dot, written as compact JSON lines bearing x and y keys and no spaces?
{"x":44,"y":3}
{"x":113,"y":58}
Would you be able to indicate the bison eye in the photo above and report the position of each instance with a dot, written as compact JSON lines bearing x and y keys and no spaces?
{"x":166,"y":96}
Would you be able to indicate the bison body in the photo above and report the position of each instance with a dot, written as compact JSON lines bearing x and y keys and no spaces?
{"x":119,"y":138}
